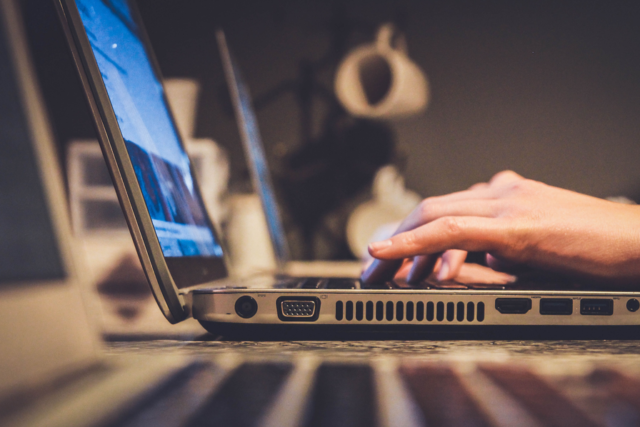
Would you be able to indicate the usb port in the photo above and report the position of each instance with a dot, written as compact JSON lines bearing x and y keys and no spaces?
{"x":513,"y":305}
{"x":596,"y":307}
{"x":298,"y":309}
{"x":556,"y":306}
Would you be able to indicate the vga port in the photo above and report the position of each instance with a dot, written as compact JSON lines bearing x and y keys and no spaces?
{"x":298,"y":308}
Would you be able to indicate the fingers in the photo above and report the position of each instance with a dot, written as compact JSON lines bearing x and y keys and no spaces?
{"x":425,"y":213}
{"x":461,"y":221}
{"x":404,"y":269}
{"x":505,"y":177}
{"x":381,"y":270}
{"x":422,"y":267}
{"x":504,"y":266}
{"x":479,"y":200}
{"x":475,"y":192}
{"x":466,"y":233}
{"x":482,"y":208}
{"x":452,"y":261}
{"x":431,"y":210}
{"x":478,"y":186}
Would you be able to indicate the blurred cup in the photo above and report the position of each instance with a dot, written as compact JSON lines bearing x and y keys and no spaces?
{"x":248,"y":238}
{"x":182,"y":95}
{"x":379,"y":80}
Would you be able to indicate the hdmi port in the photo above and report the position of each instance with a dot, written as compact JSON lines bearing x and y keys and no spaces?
{"x":513,"y":305}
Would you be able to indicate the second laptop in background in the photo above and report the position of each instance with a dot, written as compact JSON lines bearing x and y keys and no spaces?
{"x":261,"y":178}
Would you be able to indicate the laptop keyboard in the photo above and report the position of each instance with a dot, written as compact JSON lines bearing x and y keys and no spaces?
{"x":347,"y":283}
{"x":318,"y":283}
{"x":526,"y":281}
{"x":389,"y":392}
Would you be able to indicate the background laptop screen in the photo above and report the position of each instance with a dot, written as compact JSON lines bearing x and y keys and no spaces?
{"x":258,"y":164}
{"x":28,"y":246}
{"x":137,"y":97}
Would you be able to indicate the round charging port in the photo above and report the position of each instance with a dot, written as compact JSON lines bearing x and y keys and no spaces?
{"x":246,"y":307}
{"x":633,"y":304}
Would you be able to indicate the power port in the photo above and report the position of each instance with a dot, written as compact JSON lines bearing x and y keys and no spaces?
{"x":633,"y":305}
{"x":562,"y":306}
{"x":513,"y":305}
{"x":596,"y":307}
{"x":246,"y":307}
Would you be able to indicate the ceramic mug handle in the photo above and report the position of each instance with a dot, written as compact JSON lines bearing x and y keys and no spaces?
{"x":389,"y":38}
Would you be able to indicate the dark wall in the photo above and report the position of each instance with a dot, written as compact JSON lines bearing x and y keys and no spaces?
{"x":550,"y":89}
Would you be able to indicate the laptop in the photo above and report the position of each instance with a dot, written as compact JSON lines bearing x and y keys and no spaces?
{"x":184,"y":260}
{"x":261,"y":178}
{"x":53,"y":372}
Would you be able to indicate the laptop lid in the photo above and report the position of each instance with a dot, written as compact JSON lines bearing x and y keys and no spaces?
{"x":253,"y":149}
{"x":45,"y":331}
{"x":175,"y":238}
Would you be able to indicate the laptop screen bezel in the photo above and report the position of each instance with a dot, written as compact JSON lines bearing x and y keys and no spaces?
{"x":166,"y":275}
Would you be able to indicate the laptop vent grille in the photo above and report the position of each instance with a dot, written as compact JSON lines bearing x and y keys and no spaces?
{"x":411,"y":311}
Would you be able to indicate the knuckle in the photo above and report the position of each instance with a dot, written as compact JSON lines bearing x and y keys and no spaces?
{"x":478,"y":186}
{"x":523,"y":186}
{"x":505,"y":174}
{"x":409,"y":240}
{"x":451,"y":225}
{"x":426,"y":207}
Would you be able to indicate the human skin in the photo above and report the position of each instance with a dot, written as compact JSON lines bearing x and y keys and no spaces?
{"x":519,"y":223}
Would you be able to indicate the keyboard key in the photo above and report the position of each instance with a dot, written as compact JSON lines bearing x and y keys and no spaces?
{"x":341,"y":284}
{"x":311,"y":283}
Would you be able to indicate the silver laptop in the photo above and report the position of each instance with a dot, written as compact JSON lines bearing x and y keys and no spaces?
{"x":181,"y":252}
{"x":52,"y":372}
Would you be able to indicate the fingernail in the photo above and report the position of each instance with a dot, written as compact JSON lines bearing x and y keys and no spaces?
{"x":376,"y":246}
{"x":444,"y":271}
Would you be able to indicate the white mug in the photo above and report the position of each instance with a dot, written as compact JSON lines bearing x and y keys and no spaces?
{"x":182,"y":94}
{"x":379,"y":80}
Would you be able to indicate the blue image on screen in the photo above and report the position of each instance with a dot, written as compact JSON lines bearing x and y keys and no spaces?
{"x":162,"y":166}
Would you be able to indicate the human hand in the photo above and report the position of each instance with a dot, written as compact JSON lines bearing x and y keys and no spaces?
{"x":517,"y":222}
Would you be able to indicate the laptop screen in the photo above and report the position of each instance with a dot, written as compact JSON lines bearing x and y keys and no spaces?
{"x":254,"y":150}
{"x":28,"y":247}
{"x":161,"y":164}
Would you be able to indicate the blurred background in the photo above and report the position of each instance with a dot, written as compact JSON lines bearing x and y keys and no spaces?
{"x":550,"y":89}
